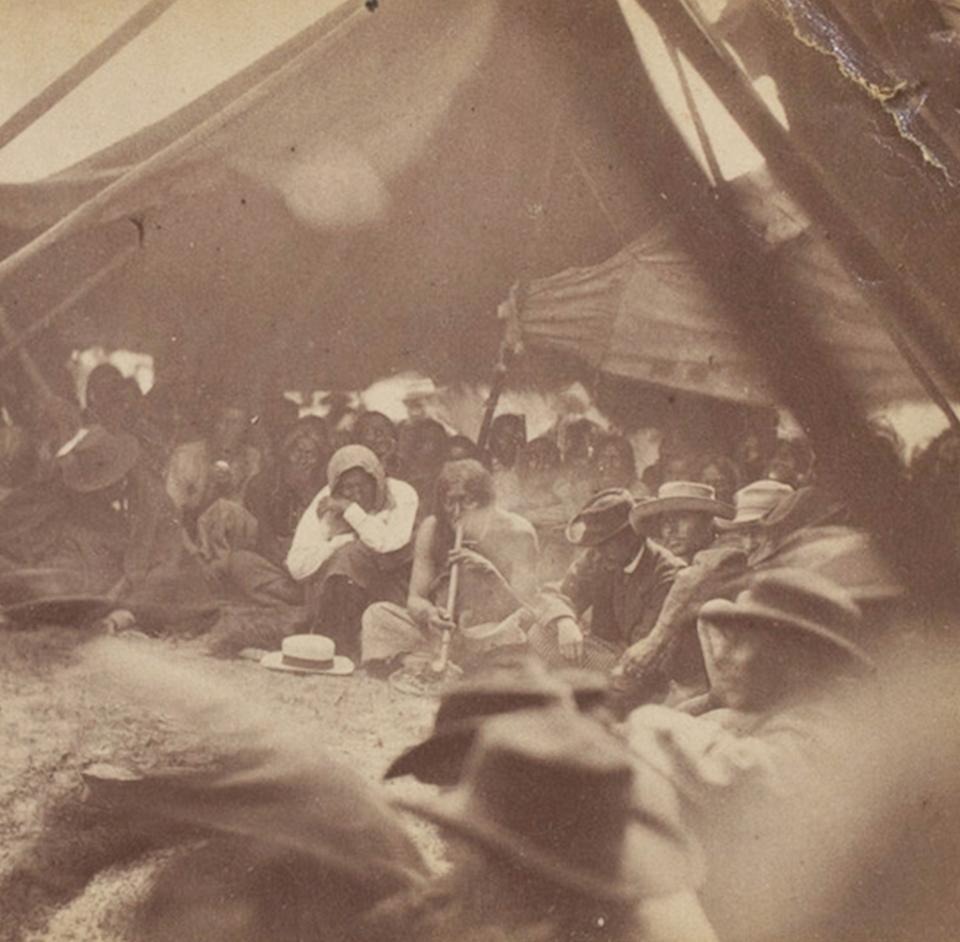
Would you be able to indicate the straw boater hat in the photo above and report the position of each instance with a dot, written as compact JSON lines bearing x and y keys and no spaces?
{"x":603,"y":516}
{"x":307,"y":654}
{"x":552,"y":792}
{"x":795,"y":600}
{"x":97,"y":459}
{"x":754,"y":502}
{"x":680,"y":497}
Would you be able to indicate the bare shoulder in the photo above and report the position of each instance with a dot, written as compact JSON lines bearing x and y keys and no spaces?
{"x":511,"y":524}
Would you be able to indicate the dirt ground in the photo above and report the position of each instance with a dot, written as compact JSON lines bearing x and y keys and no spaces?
{"x":66,"y":702}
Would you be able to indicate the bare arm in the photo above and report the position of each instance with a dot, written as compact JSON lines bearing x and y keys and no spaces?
{"x":423,"y":574}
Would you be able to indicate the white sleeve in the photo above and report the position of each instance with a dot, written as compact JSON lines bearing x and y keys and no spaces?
{"x":391,"y":529}
{"x":312,"y":545}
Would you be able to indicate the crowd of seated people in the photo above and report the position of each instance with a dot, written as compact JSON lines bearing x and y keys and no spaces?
{"x":312,"y":525}
{"x":693,"y":646}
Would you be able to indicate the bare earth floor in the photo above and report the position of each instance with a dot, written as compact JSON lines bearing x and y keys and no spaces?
{"x":62,"y":708}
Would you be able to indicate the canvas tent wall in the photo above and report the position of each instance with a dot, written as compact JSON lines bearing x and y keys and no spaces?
{"x":372,"y":210}
{"x":646,"y":314}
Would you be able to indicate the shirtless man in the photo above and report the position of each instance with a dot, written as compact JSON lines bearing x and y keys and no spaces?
{"x":497,"y":564}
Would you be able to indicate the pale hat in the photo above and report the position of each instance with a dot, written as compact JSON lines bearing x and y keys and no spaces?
{"x":754,"y":502}
{"x":681,"y":497}
{"x":307,"y":654}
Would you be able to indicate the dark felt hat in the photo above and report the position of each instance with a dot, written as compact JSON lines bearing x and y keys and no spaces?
{"x":551,"y":792}
{"x":796,"y":600}
{"x":589,"y":688}
{"x":97,"y":459}
{"x":603,"y":516}
{"x":73,"y":610}
{"x":438,"y":760}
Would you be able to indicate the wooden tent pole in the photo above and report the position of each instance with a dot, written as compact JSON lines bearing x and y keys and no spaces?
{"x":914,"y":360}
{"x":30,"y":368}
{"x":92,"y":281}
{"x":490,"y":407}
{"x":912,"y":307}
{"x":89,"y":212}
{"x":710,"y":155}
{"x":60,"y":87}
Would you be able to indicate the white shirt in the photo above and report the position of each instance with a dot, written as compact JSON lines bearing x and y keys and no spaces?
{"x":384,"y":532}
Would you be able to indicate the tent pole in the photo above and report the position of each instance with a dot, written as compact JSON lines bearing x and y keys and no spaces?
{"x":710,"y":155}
{"x":60,"y":87}
{"x":915,"y":539}
{"x":30,"y":368}
{"x":923,"y":375}
{"x":92,"y":281}
{"x":490,"y":407}
{"x":803,"y":182}
{"x":90,"y":211}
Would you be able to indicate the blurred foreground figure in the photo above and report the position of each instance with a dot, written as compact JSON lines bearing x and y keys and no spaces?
{"x":502,"y":688}
{"x":763,"y":760}
{"x":287,"y":852}
{"x":269,"y":837}
{"x":551,"y":846}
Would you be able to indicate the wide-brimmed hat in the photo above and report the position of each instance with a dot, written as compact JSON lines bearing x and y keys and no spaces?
{"x":438,"y":760}
{"x":603,"y":516}
{"x":680,"y":497}
{"x":799,"y":601}
{"x":754,"y":502}
{"x":551,"y":792}
{"x":97,"y":459}
{"x":589,"y":688}
{"x":307,"y":654}
{"x":75,"y":611}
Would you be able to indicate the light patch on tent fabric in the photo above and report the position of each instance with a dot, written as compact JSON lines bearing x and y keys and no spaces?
{"x":335,"y":188}
{"x":381,"y":117}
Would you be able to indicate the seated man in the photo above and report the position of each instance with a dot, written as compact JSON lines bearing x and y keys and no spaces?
{"x":497,"y":565}
{"x":278,"y":496}
{"x":106,"y":527}
{"x":681,"y":517}
{"x":671,"y":651}
{"x":219,"y":465}
{"x":349,"y":547}
{"x":764,"y":761}
{"x":244,"y":547}
{"x":621,"y":579}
